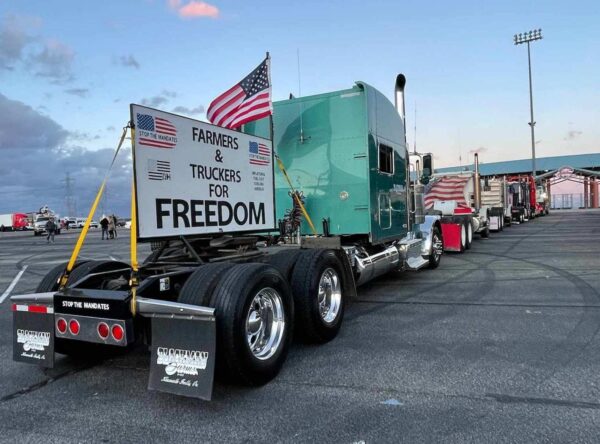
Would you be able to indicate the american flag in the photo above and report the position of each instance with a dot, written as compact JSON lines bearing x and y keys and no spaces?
{"x":247,"y":101}
{"x":259,"y":153}
{"x":165,"y":132}
{"x":159,"y":169}
{"x":446,"y":188}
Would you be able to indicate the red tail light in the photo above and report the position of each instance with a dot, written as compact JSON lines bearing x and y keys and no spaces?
{"x":74,"y":327}
{"x":103,"y":330}
{"x":117,"y":332}
{"x":61,"y":325}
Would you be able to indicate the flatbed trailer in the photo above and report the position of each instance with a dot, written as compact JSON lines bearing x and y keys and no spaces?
{"x":238,"y":265}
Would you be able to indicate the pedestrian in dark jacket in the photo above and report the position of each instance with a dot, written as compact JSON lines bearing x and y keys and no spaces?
{"x":50,"y":229}
{"x":104,"y":225}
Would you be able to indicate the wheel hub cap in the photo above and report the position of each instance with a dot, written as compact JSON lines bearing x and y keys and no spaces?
{"x":330,"y":295}
{"x":265,"y":323}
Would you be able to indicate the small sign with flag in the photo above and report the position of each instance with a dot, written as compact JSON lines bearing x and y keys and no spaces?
{"x":156,"y":132}
{"x":259,"y":154}
{"x":245,"y":102}
{"x":159,"y":169}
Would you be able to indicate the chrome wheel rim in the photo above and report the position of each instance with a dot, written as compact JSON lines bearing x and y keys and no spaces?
{"x":469,"y":233}
{"x":438,"y":247}
{"x":463,"y":236}
{"x":265,"y":323}
{"x":330,"y":295}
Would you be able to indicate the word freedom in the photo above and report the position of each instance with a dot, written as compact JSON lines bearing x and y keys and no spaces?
{"x":208,"y":213}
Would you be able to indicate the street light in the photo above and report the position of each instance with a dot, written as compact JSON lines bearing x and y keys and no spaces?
{"x":528,"y":37}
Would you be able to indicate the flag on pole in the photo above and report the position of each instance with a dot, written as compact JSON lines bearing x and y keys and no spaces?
{"x":249,"y":100}
{"x":446,"y":188}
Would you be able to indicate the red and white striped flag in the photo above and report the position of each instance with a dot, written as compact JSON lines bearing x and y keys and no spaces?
{"x":446,"y":188}
{"x":247,"y":101}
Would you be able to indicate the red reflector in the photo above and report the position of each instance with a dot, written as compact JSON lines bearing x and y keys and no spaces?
{"x":61,"y":325}
{"x":103,"y":330}
{"x":14,"y":307}
{"x":74,"y":327}
{"x":38,"y":309}
{"x":117,"y":332}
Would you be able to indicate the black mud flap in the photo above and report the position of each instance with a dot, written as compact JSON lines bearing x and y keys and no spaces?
{"x":33,"y":334}
{"x":349,"y":283}
{"x":183,"y":356}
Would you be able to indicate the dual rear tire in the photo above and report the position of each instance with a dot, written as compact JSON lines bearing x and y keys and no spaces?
{"x":257,"y":309}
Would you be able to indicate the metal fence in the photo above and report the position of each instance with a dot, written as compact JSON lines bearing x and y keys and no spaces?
{"x":569,"y":201}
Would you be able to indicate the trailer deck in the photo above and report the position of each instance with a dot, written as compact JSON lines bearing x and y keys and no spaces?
{"x":499,"y":343}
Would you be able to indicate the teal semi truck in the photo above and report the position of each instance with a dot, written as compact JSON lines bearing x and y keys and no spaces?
{"x":244,"y":255}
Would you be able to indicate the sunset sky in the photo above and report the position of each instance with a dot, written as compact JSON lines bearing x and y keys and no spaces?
{"x":69,"y":69}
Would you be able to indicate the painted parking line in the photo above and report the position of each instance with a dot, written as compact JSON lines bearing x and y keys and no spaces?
{"x":12,"y":284}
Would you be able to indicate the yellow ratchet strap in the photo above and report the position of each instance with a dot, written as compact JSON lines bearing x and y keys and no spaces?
{"x":65,"y":276}
{"x":298,"y":201}
{"x":133,"y":281}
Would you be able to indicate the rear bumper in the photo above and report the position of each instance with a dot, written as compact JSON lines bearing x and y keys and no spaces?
{"x":183,"y":347}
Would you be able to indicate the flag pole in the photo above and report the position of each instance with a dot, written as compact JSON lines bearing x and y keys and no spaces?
{"x":271,"y":132}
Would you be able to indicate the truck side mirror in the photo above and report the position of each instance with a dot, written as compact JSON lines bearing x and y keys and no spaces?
{"x":427,"y":167}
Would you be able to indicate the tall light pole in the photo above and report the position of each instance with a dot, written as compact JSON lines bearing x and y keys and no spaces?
{"x":529,"y":37}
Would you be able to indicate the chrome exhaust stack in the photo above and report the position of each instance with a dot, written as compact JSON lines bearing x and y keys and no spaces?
{"x":399,"y":100}
{"x":477,"y":185}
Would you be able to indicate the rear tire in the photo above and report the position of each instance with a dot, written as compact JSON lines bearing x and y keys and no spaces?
{"x":436,"y":251}
{"x":254,"y":312}
{"x":50,"y":281}
{"x":318,"y":287}
{"x":284,"y":261}
{"x":91,"y":267}
{"x":485,"y":233}
{"x":463,"y":238}
{"x":469,"y":228}
{"x":201,"y":284}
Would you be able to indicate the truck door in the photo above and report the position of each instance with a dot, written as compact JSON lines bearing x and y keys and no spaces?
{"x":385,"y":211}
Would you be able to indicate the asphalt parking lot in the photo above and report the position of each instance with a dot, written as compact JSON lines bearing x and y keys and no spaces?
{"x":497,"y":345}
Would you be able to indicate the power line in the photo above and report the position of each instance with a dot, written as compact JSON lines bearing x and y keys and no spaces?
{"x":70,"y":203}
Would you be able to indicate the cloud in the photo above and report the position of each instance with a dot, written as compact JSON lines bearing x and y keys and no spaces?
{"x":128,"y":61}
{"x":14,"y":39}
{"x":194,"y":9}
{"x":21,"y":127}
{"x":79,"y":92}
{"x":481,"y":149}
{"x":36,"y":155}
{"x":158,"y":100}
{"x":53,"y":61}
{"x":189,"y":111}
{"x":154,"y":101}
{"x":573,"y":134}
{"x":40,"y":183}
{"x":80,"y":136}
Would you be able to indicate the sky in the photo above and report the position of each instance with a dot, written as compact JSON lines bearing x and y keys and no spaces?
{"x":70,"y":69}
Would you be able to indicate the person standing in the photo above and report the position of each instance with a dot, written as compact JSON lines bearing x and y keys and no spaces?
{"x":111,"y":227}
{"x":50,"y":229}
{"x":104,"y":225}
{"x":114,"y":218}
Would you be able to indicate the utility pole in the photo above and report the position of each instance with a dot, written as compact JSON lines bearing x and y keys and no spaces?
{"x":519,"y":39}
{"x":69,"y":199}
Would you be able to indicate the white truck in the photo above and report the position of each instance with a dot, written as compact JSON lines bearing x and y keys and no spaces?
{"x":42,"y":217}
{"x":495,"y":196}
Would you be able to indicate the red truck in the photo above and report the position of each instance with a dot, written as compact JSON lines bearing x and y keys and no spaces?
{"x":13,"y":221}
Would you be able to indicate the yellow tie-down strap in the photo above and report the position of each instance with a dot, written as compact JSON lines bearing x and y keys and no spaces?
{"x":133,"y":281}
{"x":64,"y":278}
{"x":298,"y":201}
